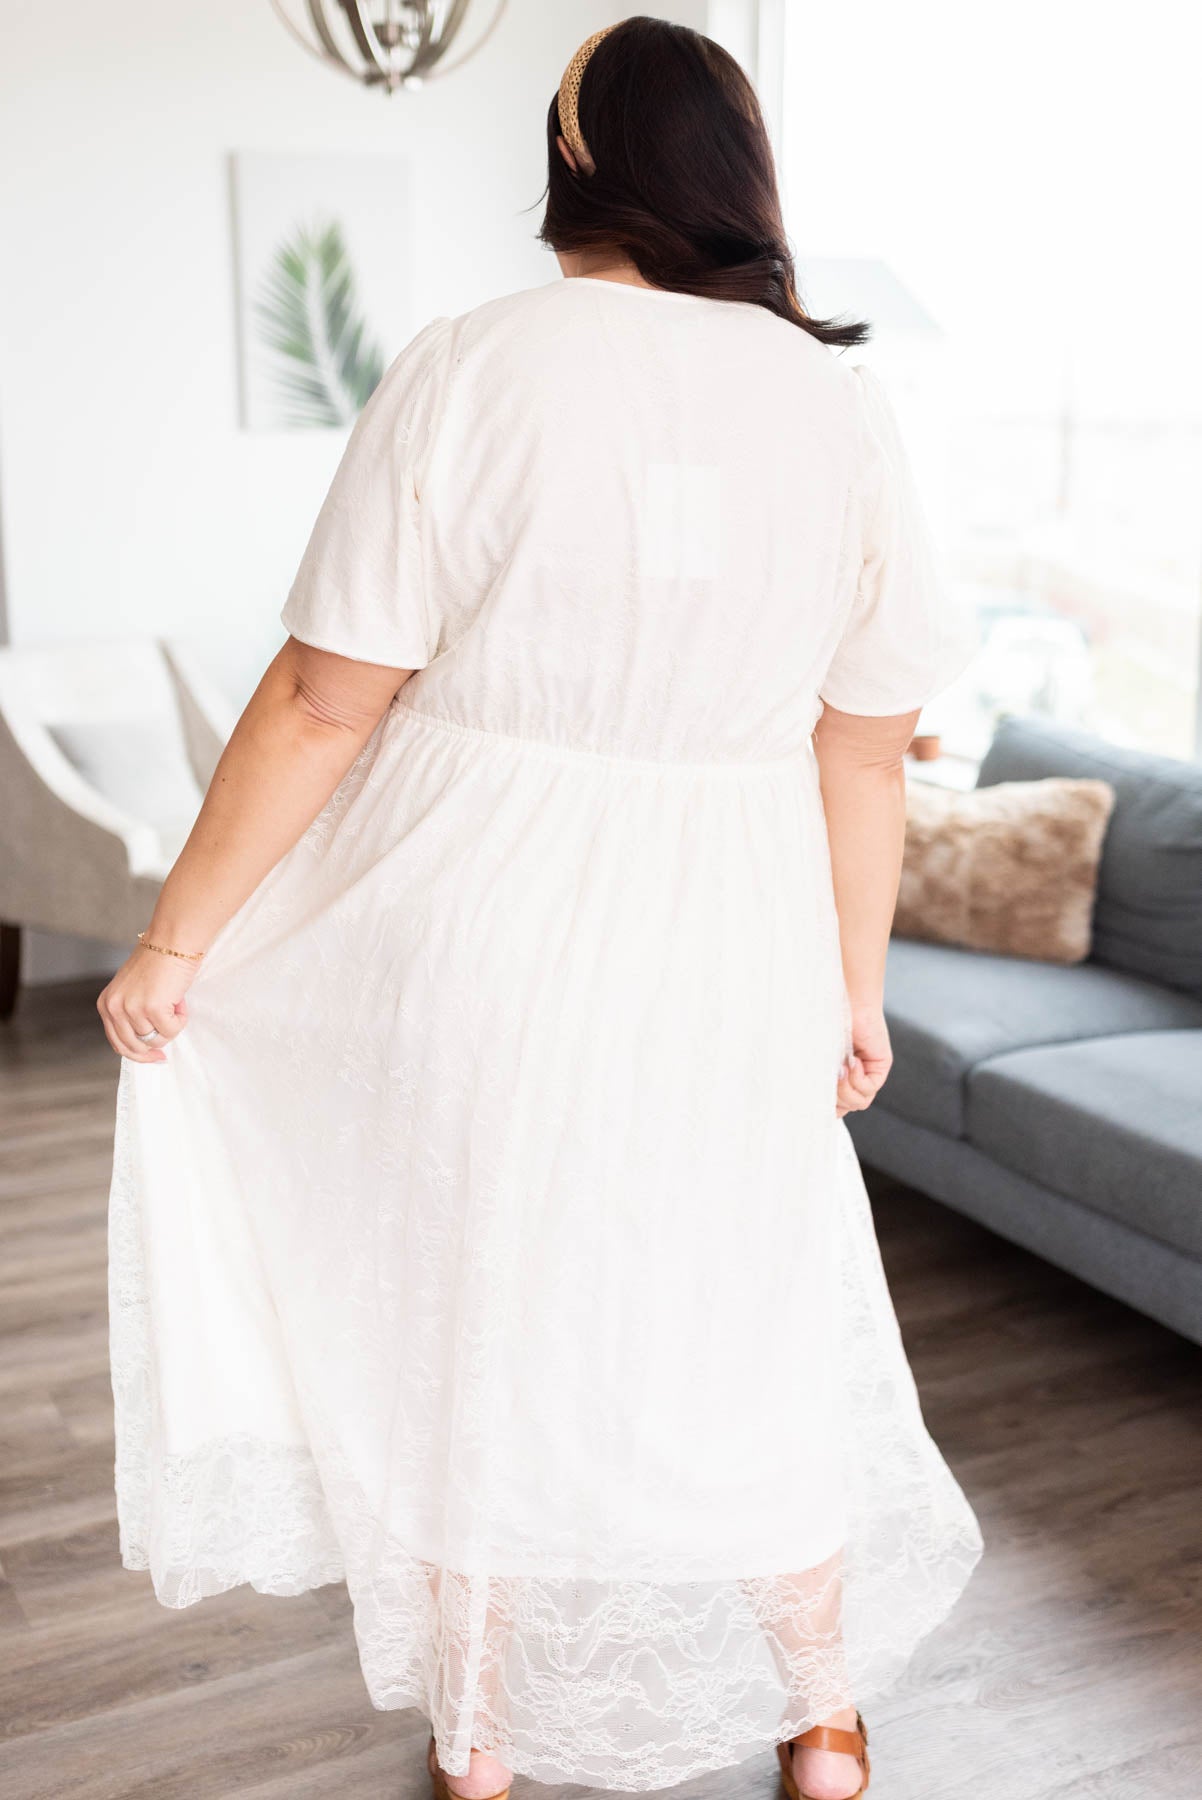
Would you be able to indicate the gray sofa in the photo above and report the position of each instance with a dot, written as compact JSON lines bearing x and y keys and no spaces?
{"x":1062,"y":1106}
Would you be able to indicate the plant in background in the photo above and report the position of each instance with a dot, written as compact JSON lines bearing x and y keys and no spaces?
{"x":324,"y":365}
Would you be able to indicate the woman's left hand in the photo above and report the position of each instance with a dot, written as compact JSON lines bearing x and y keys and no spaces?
{"x":147,"y":994}
{"x":863,"y":1074}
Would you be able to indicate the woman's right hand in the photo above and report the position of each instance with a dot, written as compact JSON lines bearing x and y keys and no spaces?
{"x":146,"y":994}
{"x":862,"y":1076}
{"x":309,"y":718}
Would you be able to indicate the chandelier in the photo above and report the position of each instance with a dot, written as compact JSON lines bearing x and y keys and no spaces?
{"x":388,"y":44}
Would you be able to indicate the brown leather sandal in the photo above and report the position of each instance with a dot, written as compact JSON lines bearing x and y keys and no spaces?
{"x":439,"y":1780}
{"x":826,"y":1737}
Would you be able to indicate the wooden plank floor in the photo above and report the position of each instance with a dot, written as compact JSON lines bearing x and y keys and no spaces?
{"x":1071,"y":1668}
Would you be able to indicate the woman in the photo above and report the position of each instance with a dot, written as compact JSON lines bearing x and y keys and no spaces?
{"x":487,"y":1233}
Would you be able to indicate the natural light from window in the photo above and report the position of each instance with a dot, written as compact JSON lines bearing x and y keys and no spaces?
{"x":1010,"y":195}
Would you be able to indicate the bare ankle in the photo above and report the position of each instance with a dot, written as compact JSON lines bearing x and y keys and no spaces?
{"x":829,"y":1774}
{"x":486,"y":1776}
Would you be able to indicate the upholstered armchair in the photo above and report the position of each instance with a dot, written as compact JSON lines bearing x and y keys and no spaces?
{"x":105,"y":752}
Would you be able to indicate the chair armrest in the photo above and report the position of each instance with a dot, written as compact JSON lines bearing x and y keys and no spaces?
{"x":70,"y":859}
{"x":205,"y":714}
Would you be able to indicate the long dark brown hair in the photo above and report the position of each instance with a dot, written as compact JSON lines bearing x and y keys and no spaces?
{"x":684,"y":182}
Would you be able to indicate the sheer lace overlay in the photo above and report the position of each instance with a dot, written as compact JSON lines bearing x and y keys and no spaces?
{"x":489,"y":1240}
{"x":624,"y":1683}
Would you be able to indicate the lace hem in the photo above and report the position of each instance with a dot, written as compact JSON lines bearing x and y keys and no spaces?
{"x":627,"y":1683}
{"x":630,"y":1685}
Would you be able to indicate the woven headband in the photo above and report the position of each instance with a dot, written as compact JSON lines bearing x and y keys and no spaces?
{"x":569,"y":97}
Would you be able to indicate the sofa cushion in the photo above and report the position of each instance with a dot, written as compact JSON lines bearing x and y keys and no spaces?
{"x":1115,"y":1123}
{"x":1148,"y":915}
{"x":951,"y":1009}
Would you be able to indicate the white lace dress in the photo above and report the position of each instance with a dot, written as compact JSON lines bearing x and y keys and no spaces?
{"x":489,"y":1238}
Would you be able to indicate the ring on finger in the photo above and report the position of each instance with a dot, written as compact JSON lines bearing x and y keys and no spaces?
{"x":146,"y":1037}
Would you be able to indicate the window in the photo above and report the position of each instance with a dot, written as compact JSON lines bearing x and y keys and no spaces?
{"x":1007,"y":194}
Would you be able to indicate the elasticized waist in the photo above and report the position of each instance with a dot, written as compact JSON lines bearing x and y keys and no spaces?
{"x":575,"y":753}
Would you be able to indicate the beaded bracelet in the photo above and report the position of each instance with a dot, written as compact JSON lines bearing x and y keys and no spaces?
{"x":161,"y":950}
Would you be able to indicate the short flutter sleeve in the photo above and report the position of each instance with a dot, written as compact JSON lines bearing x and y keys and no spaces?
{"x":363,"y":589}
{"x":905,"y":639}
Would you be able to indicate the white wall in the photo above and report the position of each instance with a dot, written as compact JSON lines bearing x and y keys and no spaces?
{"x":130,"y":499}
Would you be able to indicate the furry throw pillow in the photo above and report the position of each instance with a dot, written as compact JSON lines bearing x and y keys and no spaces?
{"x":1011,"y":868}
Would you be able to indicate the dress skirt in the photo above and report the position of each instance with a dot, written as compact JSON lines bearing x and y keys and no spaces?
{"x":489,"y":1240}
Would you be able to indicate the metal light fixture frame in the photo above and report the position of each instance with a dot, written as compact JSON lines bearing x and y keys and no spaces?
{"x":382,"y":64}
